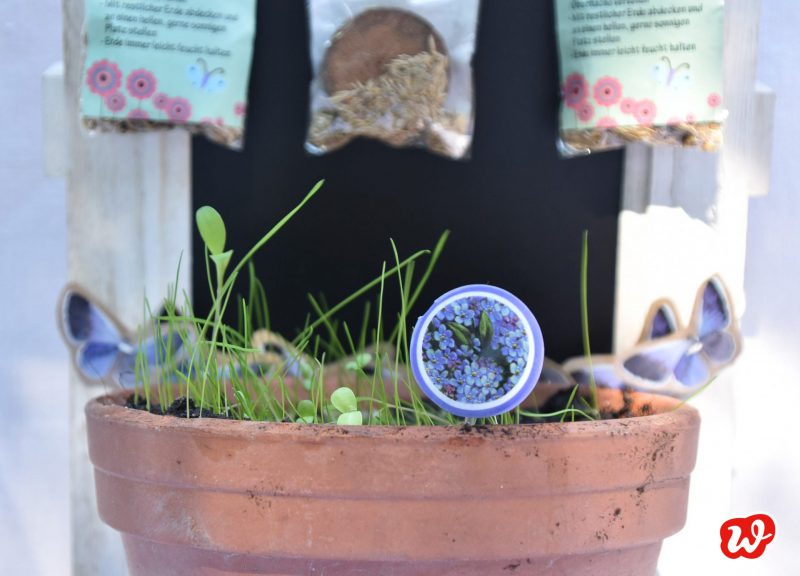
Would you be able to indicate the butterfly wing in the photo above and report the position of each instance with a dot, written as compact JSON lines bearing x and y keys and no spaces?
{"x":270,"y":348}
{"x":692,"y":370}
{"x":716,"y":323}
{"x":274,"y":353}
{"x":661,"y":72}
{"x":662,"y":320}
{"x":196,"y":74}
{"x":720,"y":347}
{"x":652,"y":364}
{"x":601,"y":367}
{"x":216,"y":83}
{"x":96,"y":360}
{"x":83,"y":321}
{"x":94,"y":336}
{"x":682,"y":78}
{"x":712,"y":308}
{"x":554,"y":374}
{"x":156,"y":349}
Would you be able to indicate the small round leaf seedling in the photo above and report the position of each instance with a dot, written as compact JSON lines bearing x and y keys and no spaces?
{"x":344,"y":400}
{"x":477,"y":352}
{"x":306,"y":412}
{"x":350,"y":419}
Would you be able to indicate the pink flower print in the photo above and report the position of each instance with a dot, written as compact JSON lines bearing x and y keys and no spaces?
{"x":607,"y":122}
{"x":161,"y":101}
{"x":691,"y":118}
{"x":141,"y":84}
{"x":645,"y":112}
{"x":240,"y":109}
{"x":576,"y":90}
{"x":104,"y":78}
{"x":179,"y":110}
{"x":607,"y":91}
{"x":138,"y":114}
{"x":585,"y":112}
{"x":628,"y":105}
{"x":714,"y":99}
{"x":116,"y":101}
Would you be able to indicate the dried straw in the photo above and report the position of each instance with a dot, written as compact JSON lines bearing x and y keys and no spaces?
{"x":404,"y":106}
{"x":704,"y":135}
{"x":225,"y":135}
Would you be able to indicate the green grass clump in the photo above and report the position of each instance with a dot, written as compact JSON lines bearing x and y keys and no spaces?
{"x":216,"y":368}
{"x":329,"y":373}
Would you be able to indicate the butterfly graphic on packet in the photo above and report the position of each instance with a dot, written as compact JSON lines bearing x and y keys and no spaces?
{"x":211,"y":81}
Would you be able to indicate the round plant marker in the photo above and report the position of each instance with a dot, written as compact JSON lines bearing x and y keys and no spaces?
{"x":477,"y":352}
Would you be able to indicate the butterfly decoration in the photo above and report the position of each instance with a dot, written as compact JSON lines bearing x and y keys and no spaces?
{"x":103,"y":350}
{"x":211,"y":81}
{"x":675,"y":77}
{"x":274,"y":355}
{"x":661,"y":321}
{"x":689,"y":359}
{"x":554,"y":375}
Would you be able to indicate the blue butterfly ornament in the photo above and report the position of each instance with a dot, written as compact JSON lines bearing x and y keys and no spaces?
{"x":661,"y":321}
{"x":103,"y":350}
{"x":689,"y":359}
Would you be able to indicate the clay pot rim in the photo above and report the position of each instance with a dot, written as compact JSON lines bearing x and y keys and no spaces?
{"x":668,"y":413}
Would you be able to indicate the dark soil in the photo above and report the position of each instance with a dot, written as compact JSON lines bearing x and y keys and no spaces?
{"x":180,"y":408}
{"x":583,"y":399}
{"x":556,"y":403}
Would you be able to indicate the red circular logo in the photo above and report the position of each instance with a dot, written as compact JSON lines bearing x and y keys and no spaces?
{"x":747,"y":537}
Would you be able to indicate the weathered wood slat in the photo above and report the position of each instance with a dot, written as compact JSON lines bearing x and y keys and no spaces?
{"x":684,"y":218}
{"x":129,"y":216}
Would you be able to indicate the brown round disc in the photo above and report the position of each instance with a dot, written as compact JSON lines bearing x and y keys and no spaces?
{"x":362,"y":48}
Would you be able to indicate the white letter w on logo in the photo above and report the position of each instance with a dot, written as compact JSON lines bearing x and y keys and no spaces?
{"x":737,"y":542}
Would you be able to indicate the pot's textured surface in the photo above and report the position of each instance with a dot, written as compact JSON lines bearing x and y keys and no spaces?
{"x":223,"y":498}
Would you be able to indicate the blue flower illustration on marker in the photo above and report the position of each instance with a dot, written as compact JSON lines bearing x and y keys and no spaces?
{"x":477,"y":352}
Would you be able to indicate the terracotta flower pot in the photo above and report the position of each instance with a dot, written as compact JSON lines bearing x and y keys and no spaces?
{"x":216,"y":497}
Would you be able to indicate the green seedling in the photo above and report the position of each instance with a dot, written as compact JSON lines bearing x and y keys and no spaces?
{"x":213,"y":368}
{"x":360,"y":362}
{"x":344,"y":400}
{"x":306,"y":412}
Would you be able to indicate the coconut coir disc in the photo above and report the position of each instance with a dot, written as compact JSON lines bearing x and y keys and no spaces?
{"x":362,"y":48}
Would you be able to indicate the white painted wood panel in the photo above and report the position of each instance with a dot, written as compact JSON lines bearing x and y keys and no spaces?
{"x":684,"y":218}
{"x":129,"y":218}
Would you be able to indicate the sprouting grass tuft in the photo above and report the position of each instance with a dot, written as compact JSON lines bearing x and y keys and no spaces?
{"x":327,"y":374}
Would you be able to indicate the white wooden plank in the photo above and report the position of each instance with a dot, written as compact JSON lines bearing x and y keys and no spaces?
{"x":684,"y":218}
{"x":129,"y":216}
{"x":54,"y":114}
{"x":762,"y":137}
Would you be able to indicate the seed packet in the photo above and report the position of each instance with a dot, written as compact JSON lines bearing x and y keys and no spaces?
{"x":165,"y":63}
{"x":640,"y":71}
{"x":398,"y":71}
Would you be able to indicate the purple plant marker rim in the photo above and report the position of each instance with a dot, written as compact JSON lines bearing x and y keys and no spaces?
{"x":533,"y":367}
